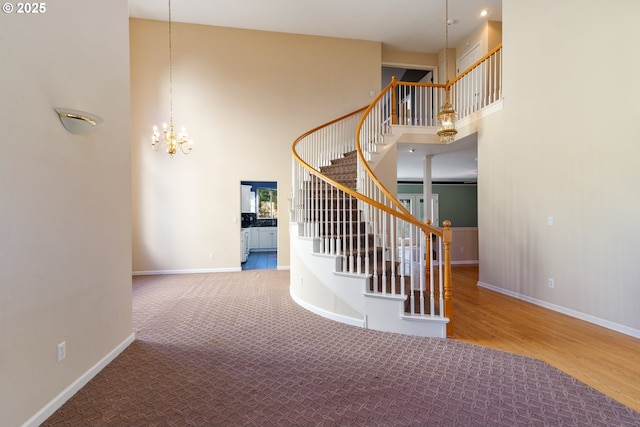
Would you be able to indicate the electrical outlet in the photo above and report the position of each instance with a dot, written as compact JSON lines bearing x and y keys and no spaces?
{"x":62,"y":351}
{"x":211,"y":256}
{"x":552,"y":283}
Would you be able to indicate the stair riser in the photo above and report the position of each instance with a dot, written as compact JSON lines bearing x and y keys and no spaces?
{"x":333,"y":202}
{"x":313,"y":215}
{"x":347,"y":230}
{"x":324,"y":187}
{"x":351,"y":156}
{"x":343,"y":170}
{"x":342,"y":229}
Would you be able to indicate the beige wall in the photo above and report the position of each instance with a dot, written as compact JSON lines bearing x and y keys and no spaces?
{"x":565,"y":145}
{"x":65,"y":221}
{"x":464,"y":245}
{"x":413,"y":59}
{"x":244,"y":97}
{"x":447,"y":65}
{"x":494,"y":38}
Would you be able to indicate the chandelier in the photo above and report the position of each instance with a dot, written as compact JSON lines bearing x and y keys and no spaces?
{"x":446,"y":128}
{"x":167,"y":138}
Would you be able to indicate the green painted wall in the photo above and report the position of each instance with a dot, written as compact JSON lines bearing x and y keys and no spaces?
{"x":458,"y":202}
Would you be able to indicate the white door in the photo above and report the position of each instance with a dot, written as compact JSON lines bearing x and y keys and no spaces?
{"x":407,"y":202}
{"x":468,"y":59}
{"x":435,"y":211}
{"x":469,"y":91}
{"x":414,"y":203}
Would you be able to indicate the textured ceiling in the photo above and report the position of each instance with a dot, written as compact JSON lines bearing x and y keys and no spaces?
{"x":411,"y":25}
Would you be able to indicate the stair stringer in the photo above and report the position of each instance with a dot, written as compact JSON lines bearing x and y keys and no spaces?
{"x":315,"y":286}
{"x":403,"y":323}
{"x":318,"y":287}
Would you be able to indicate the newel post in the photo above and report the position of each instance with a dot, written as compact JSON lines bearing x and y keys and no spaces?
{"x":447,"y":237}
{"x":394,"y":102}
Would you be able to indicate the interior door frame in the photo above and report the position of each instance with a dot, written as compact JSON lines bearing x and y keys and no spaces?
{"x":408,"y":66}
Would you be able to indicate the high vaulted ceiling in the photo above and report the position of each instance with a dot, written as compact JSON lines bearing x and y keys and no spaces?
{"x":409,"y":25}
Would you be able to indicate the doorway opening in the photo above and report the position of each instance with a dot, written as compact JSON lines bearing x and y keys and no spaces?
{"x":259,"y":234}
{"x":407,"y":74}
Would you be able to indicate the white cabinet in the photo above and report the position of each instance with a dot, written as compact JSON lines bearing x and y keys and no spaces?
{"x":254,"y":237}
{"x":267,"y":238}
{"x":263,"y":238}
{"x":248,"y":199}
{"x":244,"y":244}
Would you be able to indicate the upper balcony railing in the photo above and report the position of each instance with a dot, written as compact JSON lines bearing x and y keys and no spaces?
{"x":417,"y":104}
{"x":479,"y":86}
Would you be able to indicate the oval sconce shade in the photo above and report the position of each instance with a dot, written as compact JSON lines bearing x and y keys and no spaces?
{"x":77,"y":121}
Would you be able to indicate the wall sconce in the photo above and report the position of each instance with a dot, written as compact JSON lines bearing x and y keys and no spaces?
{"x":77,"y":121}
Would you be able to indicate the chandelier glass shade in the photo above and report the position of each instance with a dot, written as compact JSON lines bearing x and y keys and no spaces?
{"x":167,"y":138}
{"x":446,"y":127}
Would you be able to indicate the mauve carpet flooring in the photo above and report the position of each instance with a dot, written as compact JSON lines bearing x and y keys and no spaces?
{"x":233,"y":349}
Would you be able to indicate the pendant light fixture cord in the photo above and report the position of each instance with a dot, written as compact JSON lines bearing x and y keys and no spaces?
{"x":446,"y":41}
{"x":446,"y":128}
{"x":170,"y":71}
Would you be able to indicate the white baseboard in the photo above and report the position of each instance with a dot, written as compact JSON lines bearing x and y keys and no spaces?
{"x":186,"y":271}
{"x":48,"y":410}
{"x":466,"y":262}
{"x":362,"y":323}
{"x":462,"y":262}
{"x":196,"y":271}
{"x":573,"y":313}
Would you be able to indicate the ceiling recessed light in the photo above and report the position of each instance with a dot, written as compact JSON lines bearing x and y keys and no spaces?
{"x":484,"y":12}
{"x":412,"y":150}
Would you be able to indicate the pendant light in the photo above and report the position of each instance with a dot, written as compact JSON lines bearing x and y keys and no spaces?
{"x":446,"y":128}
{"x":167,"y":138}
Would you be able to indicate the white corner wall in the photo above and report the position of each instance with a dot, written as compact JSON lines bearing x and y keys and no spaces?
{"x":65,"y":217}
{"x":565,"y":146}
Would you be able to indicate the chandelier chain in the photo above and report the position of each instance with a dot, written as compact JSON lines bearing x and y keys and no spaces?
{"x":446,"y":40}
{"x":167,"y":138}
{"x":170,"y":71}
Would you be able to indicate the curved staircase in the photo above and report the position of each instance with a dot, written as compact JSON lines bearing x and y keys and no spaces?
{"x":357,"y":255}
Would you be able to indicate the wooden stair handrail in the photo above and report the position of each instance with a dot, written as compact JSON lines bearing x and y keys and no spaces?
{"x":406,"y":217}
{"x":473,"y":66}
{"x":445,"y":234}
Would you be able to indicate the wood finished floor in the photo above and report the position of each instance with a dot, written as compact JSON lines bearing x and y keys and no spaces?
{"x":606,"y":360}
